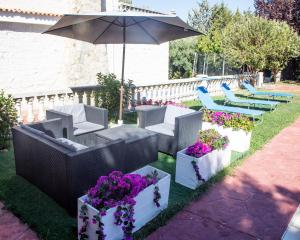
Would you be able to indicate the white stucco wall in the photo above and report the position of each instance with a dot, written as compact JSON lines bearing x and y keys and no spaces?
{"x":32,"y":63}
{"x":143,"y":63}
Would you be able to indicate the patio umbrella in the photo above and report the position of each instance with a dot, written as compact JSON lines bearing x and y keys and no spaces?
{"x":122,"y":28}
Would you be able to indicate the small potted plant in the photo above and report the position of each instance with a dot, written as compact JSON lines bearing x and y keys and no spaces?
{"x":236,"y":127}
{"x":120,"y":204}
{"x":199,"y":162}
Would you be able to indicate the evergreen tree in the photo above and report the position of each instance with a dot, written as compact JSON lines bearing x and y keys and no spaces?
{"x":283,"y":10}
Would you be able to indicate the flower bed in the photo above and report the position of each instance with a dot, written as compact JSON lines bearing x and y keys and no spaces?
{"x":199,"y":162}
{"x":160,"y":103}
{"x":236,"y":127}
{"x":119,"y":205}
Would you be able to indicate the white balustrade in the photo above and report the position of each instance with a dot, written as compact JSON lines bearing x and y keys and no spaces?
{"x":33,"y":107}
{"x":181,"y":89}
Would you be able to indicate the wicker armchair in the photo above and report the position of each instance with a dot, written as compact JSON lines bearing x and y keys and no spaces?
{"x":177,"y":126}
{"x":79,"y":119}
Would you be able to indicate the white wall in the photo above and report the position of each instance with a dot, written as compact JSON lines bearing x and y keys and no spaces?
{"x":143,"y":63}
{"x":32,"y":63}
{"x":52,"y":6}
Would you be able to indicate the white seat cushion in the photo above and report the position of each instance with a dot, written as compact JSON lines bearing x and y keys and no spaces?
{"x":174,"y":111}
{"x":86,"y":127}
{"x":76,"y":110}
{"x":164,"y":128}
{"x":75,"y":145}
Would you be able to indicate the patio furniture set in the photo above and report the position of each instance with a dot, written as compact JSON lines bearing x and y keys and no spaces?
{"x":65,"y":154}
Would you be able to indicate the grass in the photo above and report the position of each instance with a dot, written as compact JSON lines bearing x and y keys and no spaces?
{"x":52,"y":223}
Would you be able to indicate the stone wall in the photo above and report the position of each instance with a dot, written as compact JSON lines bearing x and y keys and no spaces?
{"x":33,"y":63}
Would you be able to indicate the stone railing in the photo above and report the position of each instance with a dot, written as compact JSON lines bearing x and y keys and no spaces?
{"x":32,"y":107}
{"x":182,"y":89}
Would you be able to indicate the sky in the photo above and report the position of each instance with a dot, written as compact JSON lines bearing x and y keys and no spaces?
{"x":182,"y":7}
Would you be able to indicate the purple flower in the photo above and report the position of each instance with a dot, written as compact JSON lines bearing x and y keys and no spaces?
{"x":199,"y":149}
{"x":118,"y":190}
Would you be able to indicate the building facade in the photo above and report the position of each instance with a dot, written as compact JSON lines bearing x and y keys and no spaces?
{"x":32,"y":63}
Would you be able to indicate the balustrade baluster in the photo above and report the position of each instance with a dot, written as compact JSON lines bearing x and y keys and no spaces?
{"x":51,"y":101}
{"x":80,"y":96}
{"x":88,"y":94}
{"x":29,"y":101}
{"x":41,"y":108}
{"x":18,"y":104}
{"x":61,"y":99}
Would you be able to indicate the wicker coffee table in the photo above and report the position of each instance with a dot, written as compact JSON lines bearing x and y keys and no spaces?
{"x":141,"y":144}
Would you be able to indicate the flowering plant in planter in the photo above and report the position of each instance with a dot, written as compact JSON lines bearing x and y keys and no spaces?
{"x":235,"y":121}
{"x":117,"y":190}
{"x":198,"y":149}
{"x":209,"y":140}
{"x":213,"y":139}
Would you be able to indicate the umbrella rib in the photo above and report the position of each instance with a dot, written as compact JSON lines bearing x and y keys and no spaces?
{"x":99,"y":18}
{"x":129,"y":25}
{"x":111,"y":23}
{"x":153,"y":38}
{"x":70,"y":25}
{"x":174,"y":25}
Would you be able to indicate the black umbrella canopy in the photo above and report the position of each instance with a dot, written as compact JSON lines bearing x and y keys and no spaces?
{"x":108,"y":28}
{"x":122,"y":28}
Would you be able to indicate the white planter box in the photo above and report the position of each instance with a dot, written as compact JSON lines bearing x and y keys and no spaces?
{"x":144,"y":210}
{"x":239,"y":140}
{"x":209,"y":165}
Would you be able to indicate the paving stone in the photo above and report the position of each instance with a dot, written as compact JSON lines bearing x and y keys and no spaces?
{"x":188,"y":226}
{"x":257,"y":201}
{"x":11,"y":227}
{"x":28,"y":235}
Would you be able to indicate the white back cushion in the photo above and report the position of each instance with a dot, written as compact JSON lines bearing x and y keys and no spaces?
{"x":174,"y":111}
{"x":76,"y":110}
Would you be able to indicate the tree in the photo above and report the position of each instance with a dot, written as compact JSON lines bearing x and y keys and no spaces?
{"x":200,"y":17}
{"x":182,"y":53}
{"x":296,"y":14}
{"x":284,"y":44}
{"x":283,"y":10}
{"x":212,"y":41}
{"x":244,"y":42}
{"x":260,"y":43}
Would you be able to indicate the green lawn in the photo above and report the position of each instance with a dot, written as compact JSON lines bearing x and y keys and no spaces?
{"x":52,"y":222}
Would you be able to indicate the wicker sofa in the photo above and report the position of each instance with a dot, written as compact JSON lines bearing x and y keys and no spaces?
{"x":177,"y":127}
{"x":59,"y":167}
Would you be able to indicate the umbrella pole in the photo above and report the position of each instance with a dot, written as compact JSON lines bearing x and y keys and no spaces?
{"x":122,"y":87}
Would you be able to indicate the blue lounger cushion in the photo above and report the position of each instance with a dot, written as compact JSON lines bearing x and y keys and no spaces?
{"x":207,"y":101}
{"x":232,"y":98}
{"x":253,"y":91}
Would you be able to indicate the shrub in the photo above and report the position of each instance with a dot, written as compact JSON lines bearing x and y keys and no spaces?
{"x":214,"y":139}
{"x":8,"y":118}
{"x":108,"y":96}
